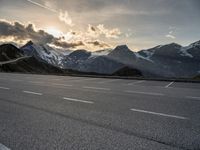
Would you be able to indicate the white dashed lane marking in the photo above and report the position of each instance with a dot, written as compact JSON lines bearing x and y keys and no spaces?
{"x":96,"y":88}
{"x":4,"y":88}
{"x":159,"y":114}
{"x":77,"y":100}
{"x":145,"y":93}
{"x":66,"y":85}
{"x":34,"y":93}
{"x":193,"y":97}
{"x":168,"y":85}
{"x":137,"y":82}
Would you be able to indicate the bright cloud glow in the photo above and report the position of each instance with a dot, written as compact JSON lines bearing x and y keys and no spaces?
{"x":55,"y":32}
{"x":64,"y":16}
{"x":101,"y":30}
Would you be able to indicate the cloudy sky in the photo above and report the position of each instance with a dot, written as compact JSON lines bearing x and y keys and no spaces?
{"x":99,"y":24}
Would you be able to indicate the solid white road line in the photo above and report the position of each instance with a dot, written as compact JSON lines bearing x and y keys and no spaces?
{"x":96,"y":88}
{"x":34,"y":93}
{"x":4,"y":88}
{"x":77,"y":100}
{"x":3,"y":147}
{"x":193,"y":97}
{"x":168,"y":85}
{"x":57,"y":84}
{"x":108,"y":81}
{"x":146,"y":93}
{"x":137,"y":82}
{"x":159,"y":114}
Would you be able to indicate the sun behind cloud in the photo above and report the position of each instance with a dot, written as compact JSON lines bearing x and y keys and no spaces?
{"x":53,"y":31}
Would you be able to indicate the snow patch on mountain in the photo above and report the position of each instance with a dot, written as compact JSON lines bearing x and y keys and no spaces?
{"x":148,"y":58}
{"x":101,"y":52}
{"x":45,"y":52}
{"x":195,"y":44}
{"x":184,"y":51}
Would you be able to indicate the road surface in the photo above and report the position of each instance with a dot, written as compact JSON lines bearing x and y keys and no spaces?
{"x":43,"y":112}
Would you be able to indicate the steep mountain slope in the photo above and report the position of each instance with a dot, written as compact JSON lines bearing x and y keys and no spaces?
{"x":102,"y":65}
{"x":193,"y":50}
{"x":177,"y":61}
{"x":76,"y":59}
{"x":9,"y":52}
{"x":171,"y":60}
{"x":103,"y":52}
{"x":43,"y":52}
{"x":84,"y":61}
{"x":78,"y":62}
{"x":123,"y":54}
{"x":132,"y":59}
{"x":32,"y":64}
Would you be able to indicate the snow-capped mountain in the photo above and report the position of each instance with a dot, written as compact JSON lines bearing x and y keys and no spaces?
{"x":44,"y":52}
{"x":14,"y":60}
{"x":103,"y":52}
{"x":80,"y":60}
{"x":123,"y":54}
{"x":102,"y":65}
{"x":76,"y":59}
{"x":171,"y":60}
{"x":84,"y":61}
{"x":175,"y":60}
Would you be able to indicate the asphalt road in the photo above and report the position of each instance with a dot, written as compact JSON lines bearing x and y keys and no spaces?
{"x":44,"y":112}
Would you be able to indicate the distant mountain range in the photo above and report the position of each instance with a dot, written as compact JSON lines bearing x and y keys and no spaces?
{"x":166,"y":61}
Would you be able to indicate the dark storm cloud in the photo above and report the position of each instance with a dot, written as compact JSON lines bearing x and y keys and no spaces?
{"x":21,"y":32}
{"x":98,"y":44}
{"x":68,"y":45}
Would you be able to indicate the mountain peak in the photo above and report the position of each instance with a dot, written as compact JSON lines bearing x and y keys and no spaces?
{"x":123,"y":54}
{"x":122,"y":47}
{"x":197,"y":43}
{"x":80,"y":54}
{"x":173,"y":44}
{"x":29,"y":43}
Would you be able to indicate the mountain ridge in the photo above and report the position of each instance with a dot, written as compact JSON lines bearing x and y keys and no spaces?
{"x":170,"y":60}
